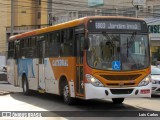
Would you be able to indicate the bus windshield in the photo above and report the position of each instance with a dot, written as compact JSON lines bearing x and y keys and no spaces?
{"x":130,"y":51}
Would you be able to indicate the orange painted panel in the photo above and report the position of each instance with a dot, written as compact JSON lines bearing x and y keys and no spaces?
{"x":64,"y":66}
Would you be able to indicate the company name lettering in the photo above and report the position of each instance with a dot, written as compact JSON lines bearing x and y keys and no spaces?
{"x":60,"y":62}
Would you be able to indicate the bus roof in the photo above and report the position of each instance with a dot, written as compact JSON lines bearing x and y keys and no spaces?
{"x":65,"y":25}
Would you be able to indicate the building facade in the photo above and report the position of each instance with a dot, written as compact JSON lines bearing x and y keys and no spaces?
{"x":4,"y":21}
{"x":27,"y":15}
{"x":154,"y":35}
{"x":67,"y":10}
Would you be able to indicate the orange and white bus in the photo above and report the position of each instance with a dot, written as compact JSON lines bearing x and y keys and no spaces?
{"x":88,"y":58}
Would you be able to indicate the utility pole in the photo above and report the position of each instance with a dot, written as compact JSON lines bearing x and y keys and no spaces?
{"x":12,"y":17}
{"x":137,"y":8}
{"x":137,"y":3}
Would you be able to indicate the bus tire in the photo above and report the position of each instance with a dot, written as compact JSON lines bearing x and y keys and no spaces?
{"x":25,"y":86}
{"x":117,"y":100}
{"x":66,"y":94}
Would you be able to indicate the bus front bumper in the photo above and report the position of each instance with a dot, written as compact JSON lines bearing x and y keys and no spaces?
{"x":92,"y":92}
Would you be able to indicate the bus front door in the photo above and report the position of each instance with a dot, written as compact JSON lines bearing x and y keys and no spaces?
{"x":79,"y":65}
{"x":41,"y":54}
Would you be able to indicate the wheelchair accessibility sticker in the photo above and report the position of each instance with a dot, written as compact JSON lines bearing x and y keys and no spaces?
{"x":116,"y":65}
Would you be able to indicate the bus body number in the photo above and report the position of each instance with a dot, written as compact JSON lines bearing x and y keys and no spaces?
{"x":100,"y":25}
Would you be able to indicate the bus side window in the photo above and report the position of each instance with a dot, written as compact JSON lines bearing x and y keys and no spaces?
{"x":34,"y":47}
{"x":63,"y":39}
{"x":70,"y":40}
{"x":41,"y":46}
{"x":50,"y":42}
{"x":54,"y":45}
{"x":29,"y":48}
{"x":22,"y":45}
{"x":26,"y":42}
{"x":58,"y":43}
{"x":47,"y":38}
{"x":17,"y":49}
{"x":29,"y":42}
{"x":67,"y":42}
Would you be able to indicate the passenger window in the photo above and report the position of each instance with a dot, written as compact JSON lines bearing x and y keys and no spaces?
{"x":67,"y":42}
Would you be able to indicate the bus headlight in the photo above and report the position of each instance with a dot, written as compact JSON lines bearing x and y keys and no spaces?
{"x":145,"y":81}
{"x":94,"y":81}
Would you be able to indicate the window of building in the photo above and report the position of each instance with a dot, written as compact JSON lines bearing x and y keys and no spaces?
{"x":39,"y":15}
{"x":70,"y":14}
{"x":74,"y":14}
{"x":39,"y":2}
{"x":149,"y":8}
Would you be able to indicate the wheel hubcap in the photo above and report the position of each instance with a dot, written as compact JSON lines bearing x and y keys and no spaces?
{"x":66,"y":93}
{"x":25,"y":87}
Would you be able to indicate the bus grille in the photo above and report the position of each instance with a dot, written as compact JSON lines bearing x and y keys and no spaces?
{"x":121,"y":77}
{"x":121,"y":91}
{"x":117,"y":84}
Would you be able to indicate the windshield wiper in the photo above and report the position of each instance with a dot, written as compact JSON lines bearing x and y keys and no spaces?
{"x":131,"y":40}
{"x":107,"y":37}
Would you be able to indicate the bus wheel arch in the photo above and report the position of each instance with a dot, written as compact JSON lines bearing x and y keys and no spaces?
{"x":25,"y":85}
{"x":64,"y":91}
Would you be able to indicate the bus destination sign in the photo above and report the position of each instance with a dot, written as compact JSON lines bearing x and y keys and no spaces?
{"x":117,"y":25}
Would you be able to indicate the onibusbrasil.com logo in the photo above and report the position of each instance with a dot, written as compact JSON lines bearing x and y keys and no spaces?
{"x":21,"y":114}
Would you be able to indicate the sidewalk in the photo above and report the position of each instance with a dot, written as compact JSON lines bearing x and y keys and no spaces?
{"x":5,"y":87}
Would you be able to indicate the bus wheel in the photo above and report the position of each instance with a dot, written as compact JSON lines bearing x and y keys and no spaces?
{"x":25,"y":86}
{"x":66,"y":96}
{"x":117,"y":100}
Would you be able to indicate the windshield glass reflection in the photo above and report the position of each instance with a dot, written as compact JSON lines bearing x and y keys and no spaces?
{"x":126,"y":51}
